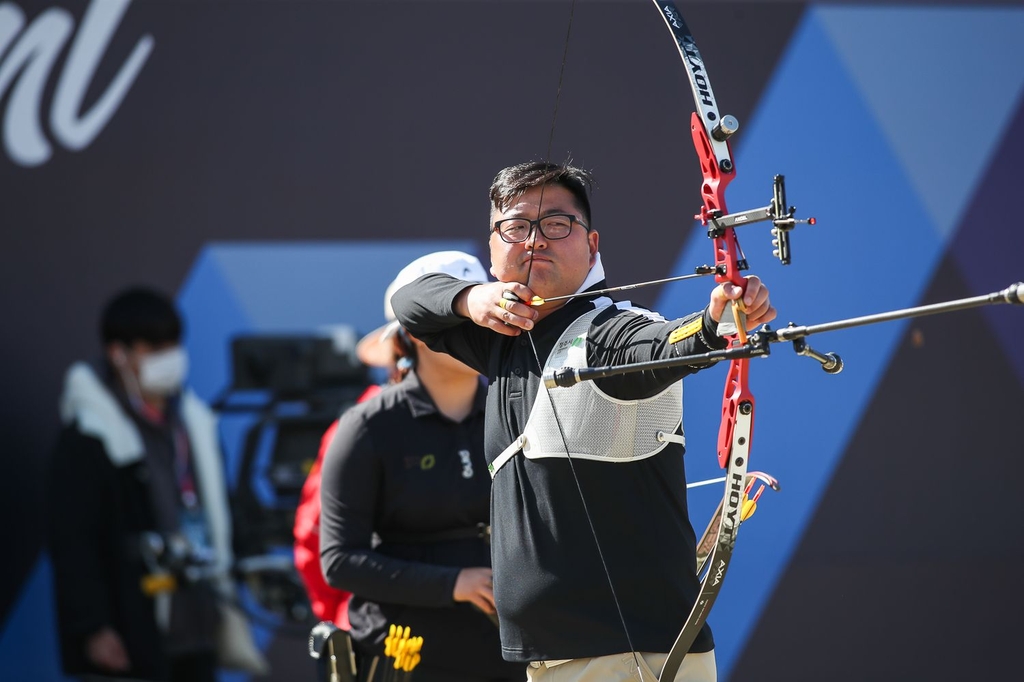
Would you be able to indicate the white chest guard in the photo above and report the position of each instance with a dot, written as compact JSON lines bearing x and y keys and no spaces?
{"x":595,"y":425}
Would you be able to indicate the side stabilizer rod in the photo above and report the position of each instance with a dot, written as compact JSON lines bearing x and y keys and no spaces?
{"x":759,"y":341}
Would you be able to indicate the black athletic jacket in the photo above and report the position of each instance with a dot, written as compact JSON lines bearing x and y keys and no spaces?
{"x":552,"y":595}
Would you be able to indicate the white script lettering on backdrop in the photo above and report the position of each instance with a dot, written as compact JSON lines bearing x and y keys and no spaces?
{"x":29,"y":62}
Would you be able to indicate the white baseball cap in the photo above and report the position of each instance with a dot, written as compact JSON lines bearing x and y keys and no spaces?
{"x":375,"y":349}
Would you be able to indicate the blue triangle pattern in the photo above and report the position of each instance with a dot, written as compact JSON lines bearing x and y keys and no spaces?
{"x":943,"y":84}
{"x":28,"y":638}
{"x":214,"y":313}
{"x":286,"y":287}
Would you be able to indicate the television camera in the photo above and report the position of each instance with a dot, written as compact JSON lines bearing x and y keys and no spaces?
{"x":285,"y":390}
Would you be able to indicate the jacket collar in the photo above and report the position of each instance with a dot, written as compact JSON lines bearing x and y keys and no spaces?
{"x":420,"y":402}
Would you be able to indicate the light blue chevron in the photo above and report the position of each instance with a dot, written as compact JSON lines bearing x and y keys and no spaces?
{"x":884,"y":215}
{"x":282,"y":287}
{"x":286,"y":287}
{"x":943,"y":84}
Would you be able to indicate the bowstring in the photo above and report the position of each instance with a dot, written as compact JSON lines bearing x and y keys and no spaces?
{"x":551,"y":131}
{"x":540,"y":365}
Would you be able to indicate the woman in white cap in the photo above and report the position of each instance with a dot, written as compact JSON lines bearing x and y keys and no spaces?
{"x":405,"y":506}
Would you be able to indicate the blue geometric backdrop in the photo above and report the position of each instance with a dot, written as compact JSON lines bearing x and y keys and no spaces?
{"x":886,"y":123}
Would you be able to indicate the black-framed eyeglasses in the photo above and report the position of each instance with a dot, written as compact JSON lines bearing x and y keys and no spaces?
{"x":555,"y":226}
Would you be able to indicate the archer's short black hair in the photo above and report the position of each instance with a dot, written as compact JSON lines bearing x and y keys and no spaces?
{"x":140,"y":314}
{"x":510,"y":183}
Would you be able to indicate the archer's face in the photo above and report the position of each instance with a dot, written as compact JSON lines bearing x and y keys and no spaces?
{"x":559,"y":266}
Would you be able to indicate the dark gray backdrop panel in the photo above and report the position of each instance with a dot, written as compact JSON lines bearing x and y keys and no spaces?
{"x":339,"y":120}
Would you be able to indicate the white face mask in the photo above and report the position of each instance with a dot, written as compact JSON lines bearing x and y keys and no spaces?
{"x":163,"y":372}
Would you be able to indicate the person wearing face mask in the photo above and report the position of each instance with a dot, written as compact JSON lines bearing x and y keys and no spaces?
{"x":138,"y":492}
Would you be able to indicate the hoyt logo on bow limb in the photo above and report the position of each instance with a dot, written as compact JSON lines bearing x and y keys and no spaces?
{"x":29,"y":59}
{"x":689,"y":48}
{"x":731,"y":518}
{"x":697,"y":67}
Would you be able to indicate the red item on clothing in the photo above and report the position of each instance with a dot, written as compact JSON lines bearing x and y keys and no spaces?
{"x":327,"y":602}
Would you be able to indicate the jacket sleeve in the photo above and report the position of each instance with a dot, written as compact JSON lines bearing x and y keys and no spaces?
{"x":631,"y":335}
{"x":425,"y":308}
{"x":349,"y":489}
{"x":80,"y":485}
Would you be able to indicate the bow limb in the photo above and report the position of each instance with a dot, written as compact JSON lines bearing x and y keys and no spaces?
{"x":710,"y":132}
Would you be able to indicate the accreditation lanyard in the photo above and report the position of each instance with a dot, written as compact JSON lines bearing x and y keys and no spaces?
{"x":183,"y":473}
{"x":183,"y":467}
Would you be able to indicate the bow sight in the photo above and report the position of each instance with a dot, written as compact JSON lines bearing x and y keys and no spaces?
{"x":781,"y":215}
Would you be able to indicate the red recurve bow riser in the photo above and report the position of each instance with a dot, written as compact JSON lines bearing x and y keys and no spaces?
{"x":727,"y":255}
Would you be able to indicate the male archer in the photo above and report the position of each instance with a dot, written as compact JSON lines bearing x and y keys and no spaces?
{"x":592,"y":546}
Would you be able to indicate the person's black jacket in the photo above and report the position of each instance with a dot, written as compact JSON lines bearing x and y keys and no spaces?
{"x":97,"y":511}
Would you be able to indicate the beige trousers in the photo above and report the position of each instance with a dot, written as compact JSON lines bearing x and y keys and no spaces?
{"x":623,"y":668}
